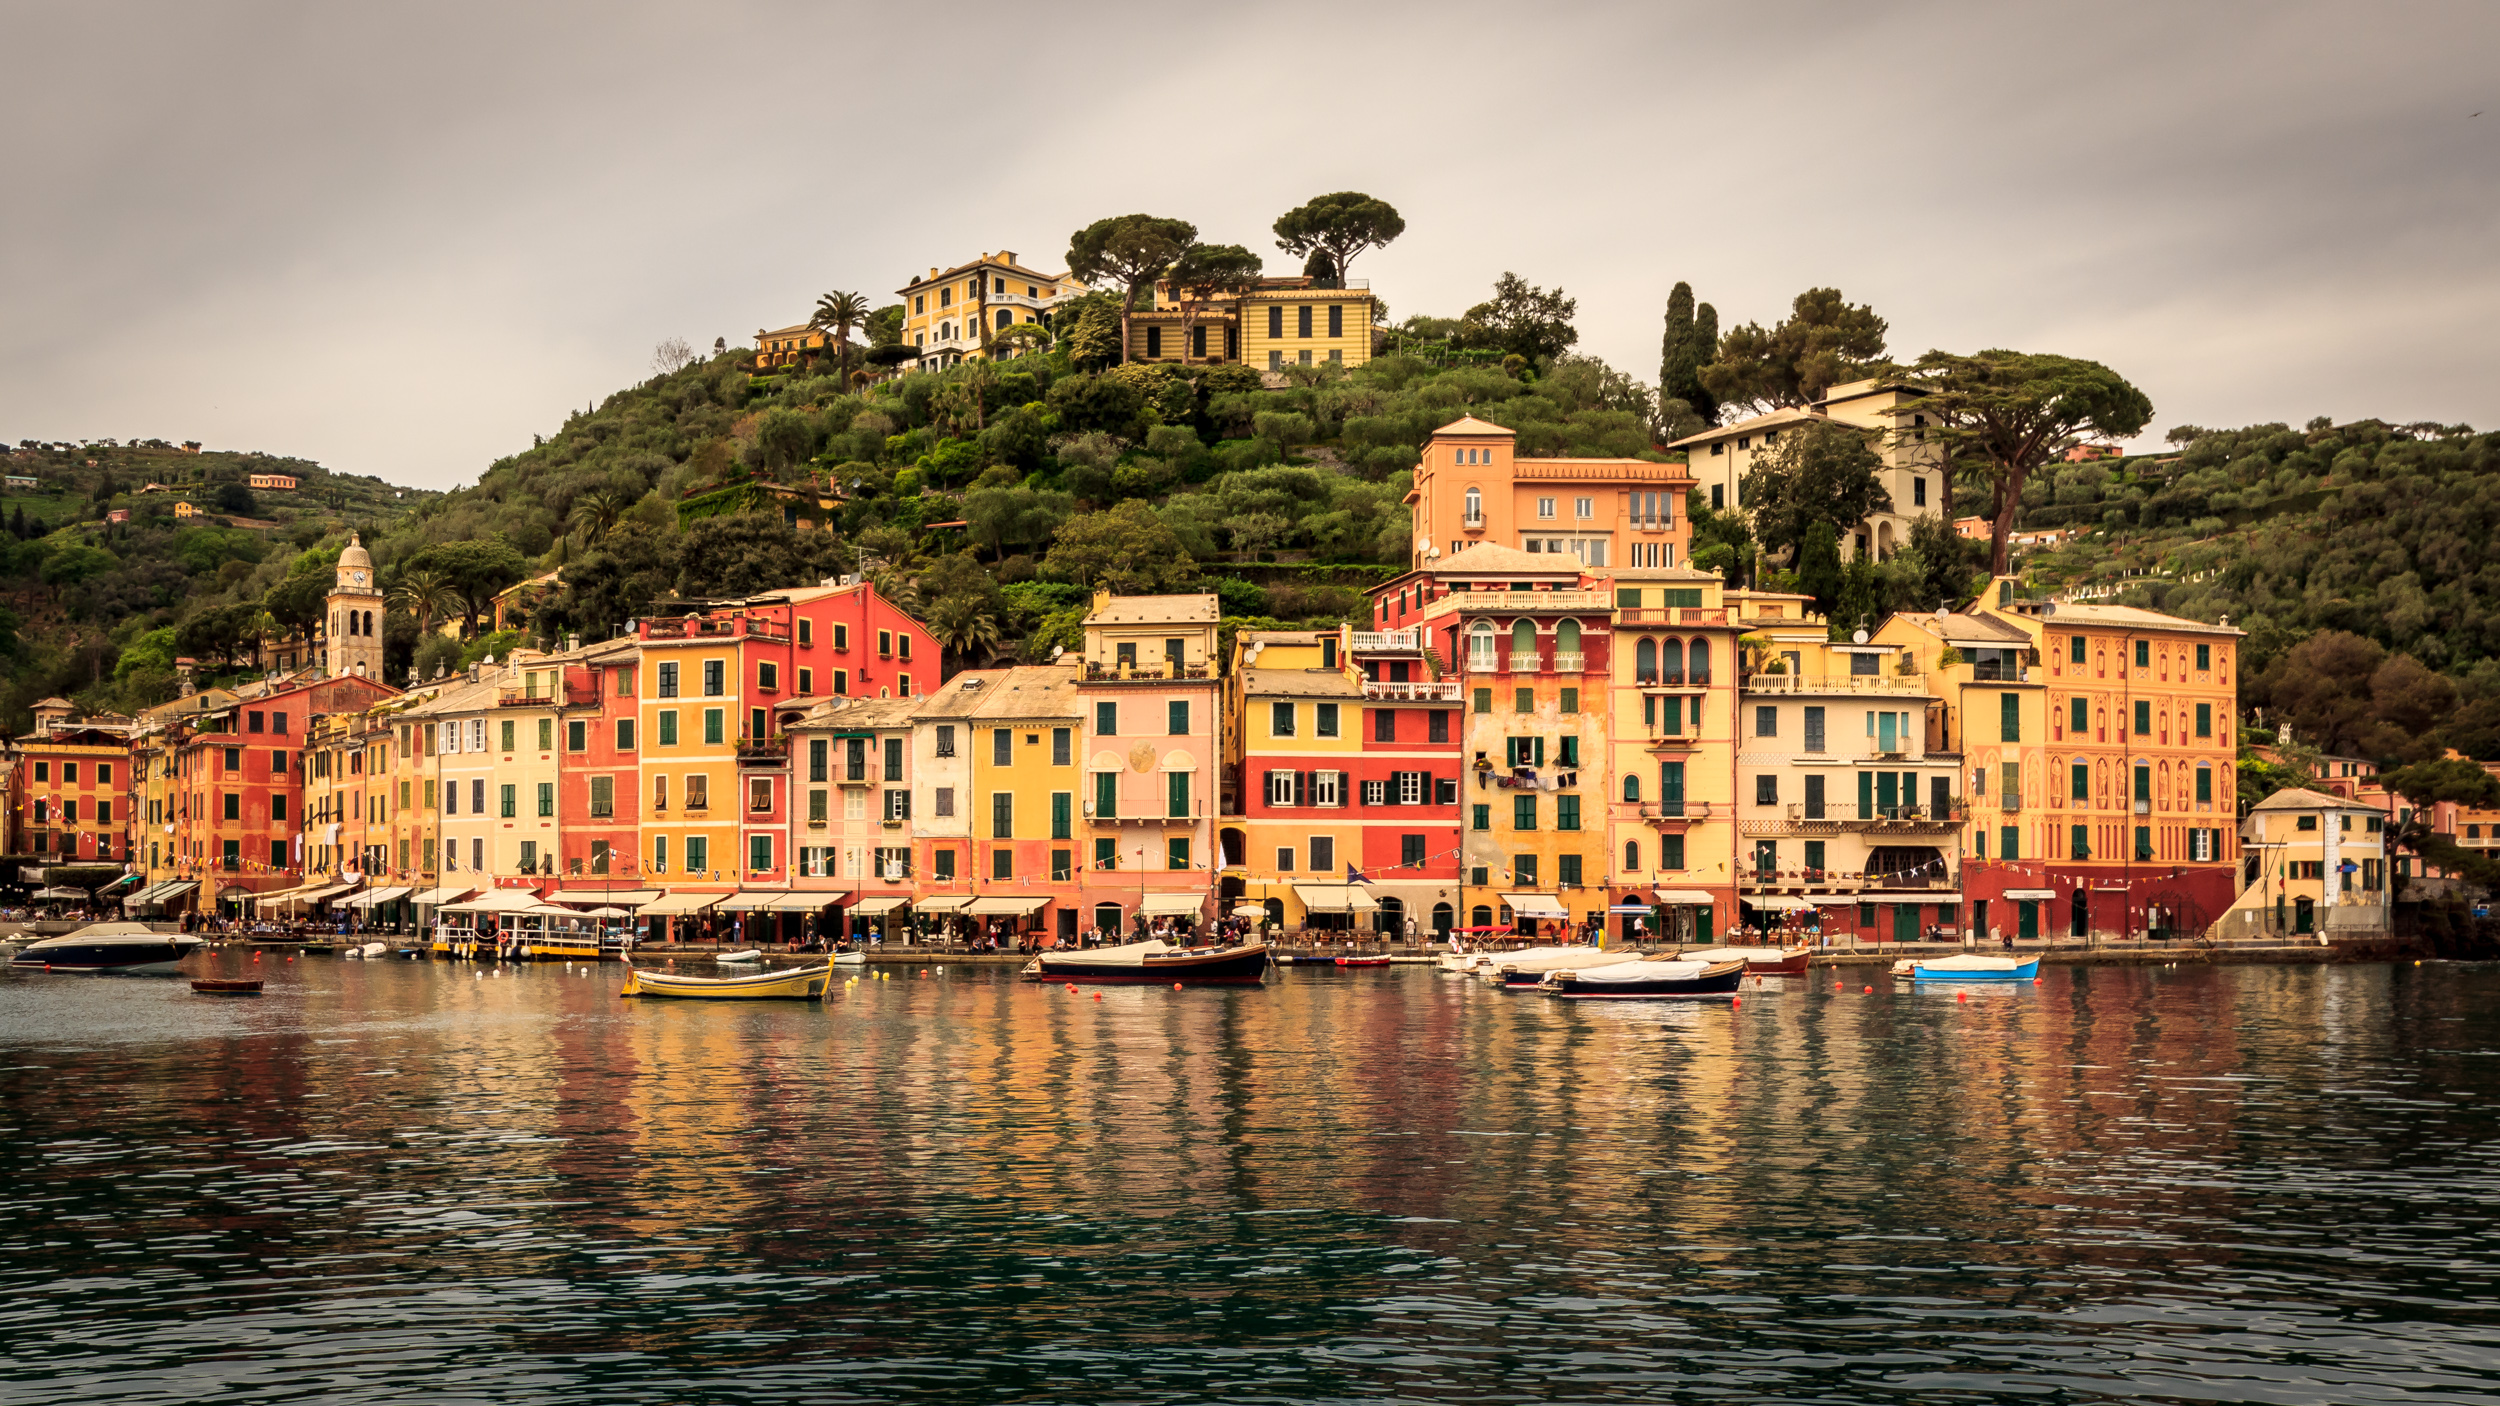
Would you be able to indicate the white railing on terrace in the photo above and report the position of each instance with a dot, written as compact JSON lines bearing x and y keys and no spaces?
{"x":1362,"y":640}
{"x":1432,"y":691}
{"x":1571,"y":663}
{"x":1523,"y":663}
{"x":1833,"y":683}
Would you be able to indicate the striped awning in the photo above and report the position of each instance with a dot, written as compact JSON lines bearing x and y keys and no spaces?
{"x":375,"y":898}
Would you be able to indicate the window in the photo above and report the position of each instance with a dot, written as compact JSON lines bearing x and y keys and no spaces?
{"x":1002,"y":815}
{"x":1480,"y":817}
{"x":1384,"y":724}
{"x":1918,"y":492}
{"x":1523,"y":700}
{"x":714,"y":720}
{"x":942,"y":802}
{"x":1545,"y":507}
{"x":1523,"y":869}
{"x":2009,"y":842}
{"x":715,"y":678}
{"x":1766,"y":790}
{"x":256,"y":721}
{"x":2143,"y":718}
{"x":1814,"y":798}
{"x":946,"y":740}
{"x":1437,"y":728}
{"x":546,"y":798}
{"x":1766,"y":721}
{"x":2009,"y":717}
{"x":768,"y":677}
{"x":602,"y":796}
{"x":1280,"y":720}
{"x":529,"y":856}
{"x":1323,"y":854}
{"x":1176,"y":717}
{"x":759,"y":793}
{"x":510,"y":795}
{"x":2204,"y":717}
{"x":507,"y":733}
{"x":2204,"y":660}
{"x":1482,"y":702}
{"x":668,"y":727}
{"x":1566,"y":812}
{"x":1002,"y":747}
{"x":2081,"y":780}
{"x":1303,"y":321}
{"x":2204,"y":785}
{"x":668,"y":680}
{"x":1523,"y":812}
{"x":1176,"y":794}
{"x":577,"y":735}
{"x":1323,"y":719}
{"x":1570,"y":701}
{"x":624,"y":734}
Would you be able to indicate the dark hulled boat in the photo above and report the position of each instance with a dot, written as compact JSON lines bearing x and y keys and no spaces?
{"x":126,"y":948}
{"x":1347,"y":962}
{"x":1154,"y":961}
{"x":1649,"y":979}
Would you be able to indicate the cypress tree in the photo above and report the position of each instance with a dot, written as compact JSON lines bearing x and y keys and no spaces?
{"x":1691,"y":340}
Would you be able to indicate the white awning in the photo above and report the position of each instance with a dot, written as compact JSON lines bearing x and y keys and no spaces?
{"x":1005,"y":907}
{"x":1782,"y":903}
{"x":1159,"y":905}
{"x":374,"y":898}
{"x":303,"y":897}
{"x":273,"y":895}
{"x":436,"y":897}
{"x":593,"y":898}
{"x":1249,"y":910}
{"x":943,"y":903}
{"x":1909,"y":896}
{"x":60,"y":894}
{"x":811,"y":901}
{"x":1335,"y":898}
{"x":877,"y":907}
{"x":1536,"y":905}
{"x":749,"y":900}
{"x":1674,"y":896}
{"x":679,"y":904}
{"x":2030,"y":895}
{"x":496,"y":901}
{"x":158,"y":894}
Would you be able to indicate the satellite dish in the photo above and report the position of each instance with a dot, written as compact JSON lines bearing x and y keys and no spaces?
{"x":1858,"y":636}
{"x":1943,"y":614}
{"x":1058,"y":649}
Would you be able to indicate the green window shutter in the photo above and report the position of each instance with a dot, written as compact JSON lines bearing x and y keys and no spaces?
{"x":1483,"y":700}
{"x":2204,"y":717}
{"x":2079,"y":842}
{"x":2009,"y":717}
{"x":1567,"y":812}
{"x":2009,"y":842}
{"x":2144,"y":784}
{"x":1061,"y":825}
{"x":1887,"y":794}
{"x":712,"y":722}
{"x":2078,"y":717}
{"x":1866,"y":795}
{"x":668,"y":727}
{"x":1482,"y":818}
{"x":510,"y":800}
{"x":1523,"y":812}
{"x":2204,"y":785}
{"x":1671,"y":788}
{"x":2082,"y":776}
{"x":546,"y":734}
{"x":1106,"y":795}
{"x":2143,"y":718}
{"x":1176,"y":794}
{"x":546,"y":798}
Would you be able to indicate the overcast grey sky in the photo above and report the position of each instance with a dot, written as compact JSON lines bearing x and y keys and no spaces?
{"x":400,"y":239}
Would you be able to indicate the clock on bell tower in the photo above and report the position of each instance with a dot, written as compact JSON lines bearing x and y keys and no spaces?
{"x":354,"y":640}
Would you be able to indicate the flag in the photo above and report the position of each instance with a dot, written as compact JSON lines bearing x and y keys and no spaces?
{"x":1354,"y":875}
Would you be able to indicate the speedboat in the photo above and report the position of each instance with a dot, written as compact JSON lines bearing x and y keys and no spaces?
{"x":752,"y":954}
{"x":1153,"y":960}
{"x":856,"y":957}
{"x":795,"y":984}
{"x":368,"y":951}
{"x":1759,"y":961}
{"x":1521,"y":971}
{"x":1650,"y":978}
{"x":1972,"y":966}
{"x":1351,"y":961}
{"x":119,"y":947}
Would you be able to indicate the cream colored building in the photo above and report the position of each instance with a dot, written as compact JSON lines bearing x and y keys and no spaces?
{"x":2313,"y":863}
{"x":949,"y":314}
{"x":1912,"y":471}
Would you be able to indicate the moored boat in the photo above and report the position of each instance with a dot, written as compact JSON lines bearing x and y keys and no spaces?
{"x":856,"y":957}
{"x":1974,"y":966}
{"x":1350,"y":961}
{"x":730,"y":959}
{"x":226,"y":986}
{"x":1647,"y":979}
{"x":796,"y":984}
{"x":1522,"y":971}
{"x":121,"y":948}
{"x":1759,"y":961}
{"x":1153,"y":960}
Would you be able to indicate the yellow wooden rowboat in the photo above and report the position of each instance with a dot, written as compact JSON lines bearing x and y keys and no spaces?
{"x":796,"y":984}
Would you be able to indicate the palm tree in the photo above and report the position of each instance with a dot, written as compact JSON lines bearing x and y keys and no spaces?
{"x":961,"y":624}
{"x":838,"y":313}
{"x":596,"y":514}
{"x":424,"y":594}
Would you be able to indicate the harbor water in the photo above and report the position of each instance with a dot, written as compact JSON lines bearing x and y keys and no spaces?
{"x":402,"y":1181}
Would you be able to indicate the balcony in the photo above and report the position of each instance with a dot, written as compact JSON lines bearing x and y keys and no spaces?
{"x":583,"y":695}
{"x":523,"y":698}
{"x":1385,"y":641}
{"x":697,"y":627}
{"x":1523,"y":663}
{"x":1675,"y":679}
{"x":772,"y":751}
{"x":1473,"y":522}
{"x":1429,"y":691}
{"x":1670,"y":817}
{"x":1671,"y":741}
{"x":1832,"y":683}
{"x":1671,"y":615}
{"x":1161,"y":671}
{"x":1992,"y":672}
{"x":1572,"y":663}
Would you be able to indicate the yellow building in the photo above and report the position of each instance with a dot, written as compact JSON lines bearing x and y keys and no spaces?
{"x":950,"y":315}
{"x":1026,"y":745}
{"x":688,"y":692}
{"x":528,"y":768}
{"x":1847,"y":803}
{"x":1281,"y":322}
{"x":1669,"y":665}
{"x":789,"y":345}
{"x":1912,"y":472}
{"x":2317,"y":863}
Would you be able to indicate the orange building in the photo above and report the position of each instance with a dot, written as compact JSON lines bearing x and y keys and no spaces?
{"x":73,"y":796}
{"x":1473,"y":488}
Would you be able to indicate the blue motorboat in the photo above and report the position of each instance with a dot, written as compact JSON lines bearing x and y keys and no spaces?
{"x":1972,"y":966}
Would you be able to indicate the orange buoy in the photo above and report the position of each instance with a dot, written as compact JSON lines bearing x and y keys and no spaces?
{"x":1097,"y":995}
{"x":1835,"y":986}
{"x":1870,"y":991}
{"x":1176,"y":986}
{"x":1738,"y":1002}
{"x":2035,"y":981}
{"x":1963,"y":996}
{"x":1071,"y":988}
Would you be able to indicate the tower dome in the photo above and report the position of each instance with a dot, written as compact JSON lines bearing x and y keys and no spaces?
{"x":356,"y":555}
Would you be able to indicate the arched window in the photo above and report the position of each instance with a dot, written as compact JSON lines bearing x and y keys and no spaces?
{"x":1567,"y":637}
{"x":1523,"y":639}
{"x":1645,"y":662}
{"x":1475,"y":505}
{"x":1631,"y":856}
{"x":1482,"y":917}
{"x":1480,"y":646}
{"x":1671,"y":661}
{"x":368,"y":622}
{"x":1006,"y":319}
{"x":1444,"y":917}
{"x":1632,"y":788}
{"x":1701,"y":661}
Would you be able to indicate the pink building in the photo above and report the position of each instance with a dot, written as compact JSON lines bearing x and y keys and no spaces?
{"x":1149,"y":697}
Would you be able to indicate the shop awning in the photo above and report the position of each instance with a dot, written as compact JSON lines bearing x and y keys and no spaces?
{"x":1627,"y":908}
{"x":1335,"y":898}
{"x":1249,"y":910}
{"x":159,"y":894}
{"x":1536,"y":905}
{"x":1782,"y":903}
{"x":303,"y":897}
{"x":944,"y":903}
{"x":813,"y":901}
{"x":1909,"y":896}
{"x":271,"y":896}
{"x":1005,"y":907}
{"x":446,"y":894}
{"x":1167,"y":905}
{"x":594,"y":898}
{"x":2028,"y":895}
{"x":1678,"y":896}
{"x":877,"y":907}
{"x":678,"y":904}
{"x":497,"y":901}
{"x":749,"y":900}
{"x":60,"y":894}
{"x":375,"y":898}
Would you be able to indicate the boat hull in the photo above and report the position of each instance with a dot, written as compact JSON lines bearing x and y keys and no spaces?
{"x":2022,"y":973}
{"x":215,"y":986}
{"x":1220,"y":966}
{"x":1790,"y":961}
{"x":1722,"y":980}
{"x":107,"y":958}
{"x":1327,"y":964}
{"x":797,"y":984}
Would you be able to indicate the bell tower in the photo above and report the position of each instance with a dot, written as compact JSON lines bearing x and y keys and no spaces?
{"x":355,"y":622}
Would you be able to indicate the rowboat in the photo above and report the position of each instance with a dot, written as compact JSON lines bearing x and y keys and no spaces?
{"x":1648,"y":979}
{"x":367,"y":951}
{"x":1153,"y":960}
{"x":751,"y":954}
{"x":796,"y":984}
{"x":1972,"y":966}
{"x":1342,"y":962}
{"x":225,"y":986}
{"x":1522,"y":971}
{"x":1759,"y":961}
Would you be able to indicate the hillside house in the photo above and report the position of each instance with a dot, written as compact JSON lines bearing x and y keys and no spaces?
{"x":283,"y":483}
{"x":950,"y":314}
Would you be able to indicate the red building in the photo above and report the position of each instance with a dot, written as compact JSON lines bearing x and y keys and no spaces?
{"x":599,"y":770}
{"x":73,"y":796}
{"x":238,"y":787}
{"x":1411,"y":766}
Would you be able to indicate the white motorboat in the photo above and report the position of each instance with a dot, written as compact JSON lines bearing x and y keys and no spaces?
{"x":856,"y":957}
{"x":750,"y":955}
{"x":1521,"y":971}
{"x":118,"y":947}
{"x":368,"y":951}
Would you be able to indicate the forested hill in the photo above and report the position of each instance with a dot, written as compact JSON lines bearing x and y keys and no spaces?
{"x":96,"y":608}
{"x":2362,"y":559}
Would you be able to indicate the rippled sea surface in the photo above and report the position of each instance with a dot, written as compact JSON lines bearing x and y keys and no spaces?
{"x":400,"y":1182}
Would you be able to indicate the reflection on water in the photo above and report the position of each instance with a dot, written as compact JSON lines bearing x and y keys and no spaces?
{"x":396,"y":1181}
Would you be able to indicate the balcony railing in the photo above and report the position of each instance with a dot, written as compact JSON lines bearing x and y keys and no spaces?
{"x":1832,"y":683}
{"x":583,"y":695}
{"x":1671,"y":615}
{"x":1385,"y":641}
{"x":1523,"y":663}
{"x":524,"y":698}
{"x":1838,"y":814}
{"x":1664,"y":678}
{"x":1571,"y":663}
{"x":1429,"y":691}
{"x":771,"y":751}
{"x":1158,"y":672}
{"x":1990,"y":671}
{"x":735,"y":627}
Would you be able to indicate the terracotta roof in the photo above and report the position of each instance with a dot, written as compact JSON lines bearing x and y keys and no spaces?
{"x":962,"y":695}
{"x":2128,"y":615}
{"x":1329,"y":683}
{"x":1494,"y":557}
{"x":1469,"y":424}
{"x":1031,"y":691}
{"x":1159,"y":610}
{"x":849,"y":713}
{"x":56,"y":703}
{"x":1662,"y":573}
{"x":2296,"y":798}
{"x":1775,"y":420}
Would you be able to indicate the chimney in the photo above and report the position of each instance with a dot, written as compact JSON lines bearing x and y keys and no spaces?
{"x":1006,"y":256}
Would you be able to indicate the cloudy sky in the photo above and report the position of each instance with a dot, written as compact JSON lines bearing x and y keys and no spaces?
{"x":400,"y":239}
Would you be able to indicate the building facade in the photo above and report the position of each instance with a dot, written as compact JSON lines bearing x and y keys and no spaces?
{"x":1473,"y":489}
{"x":1151,"y":711}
